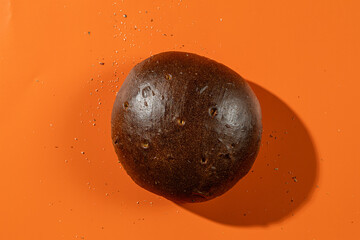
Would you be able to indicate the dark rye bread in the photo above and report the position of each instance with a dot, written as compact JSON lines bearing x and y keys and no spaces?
{"x":185,"y":127}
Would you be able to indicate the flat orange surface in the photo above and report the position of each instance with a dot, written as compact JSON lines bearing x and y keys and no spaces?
{"x":59,"y":174}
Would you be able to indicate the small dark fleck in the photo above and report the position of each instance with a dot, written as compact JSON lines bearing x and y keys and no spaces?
{"x":125,"y":16}
{"x":170,"y":158}
{"x":213,"y":112}
{"x":203,"y":160}
{"x":145,"y":144}
{"x":181,"y":122}
{"x":101,"y":63}
{"x":225,"y":156}
{"x":89,"y":33}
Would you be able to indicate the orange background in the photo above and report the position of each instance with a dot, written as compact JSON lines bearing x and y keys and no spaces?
{"x":59,"y":175}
